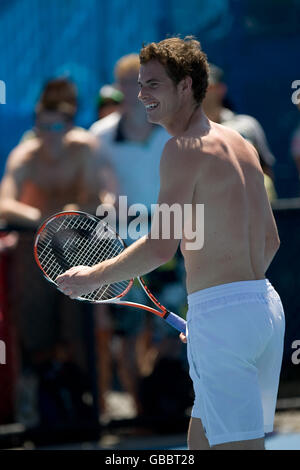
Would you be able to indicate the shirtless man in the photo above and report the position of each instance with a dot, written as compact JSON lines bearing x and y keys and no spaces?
{"x":59,"y":167}
{"x":235,"y":321}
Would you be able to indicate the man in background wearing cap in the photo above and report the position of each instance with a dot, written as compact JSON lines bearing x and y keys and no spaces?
{"x":109,"y":101}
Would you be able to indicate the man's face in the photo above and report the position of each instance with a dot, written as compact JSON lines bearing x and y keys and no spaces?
{"x":51,"y":123}
{"x":51,"y":126}
{"x":158,"y":93}
{"x":129,"y":87}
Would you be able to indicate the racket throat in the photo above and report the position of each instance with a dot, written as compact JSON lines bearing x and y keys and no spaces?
{"x":166,"y":314}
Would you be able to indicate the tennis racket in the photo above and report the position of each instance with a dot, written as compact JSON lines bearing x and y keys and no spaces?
{"x":72,"y":238}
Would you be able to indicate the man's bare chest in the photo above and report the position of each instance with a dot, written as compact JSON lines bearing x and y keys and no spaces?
{"x":61,"y":172}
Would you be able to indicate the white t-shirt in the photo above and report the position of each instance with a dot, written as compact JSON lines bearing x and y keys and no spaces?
{"x":136,"y":163}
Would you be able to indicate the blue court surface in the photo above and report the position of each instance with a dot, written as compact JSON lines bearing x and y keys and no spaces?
{"x":274,"y":441}
{"x":277,"y":441}
{"x":283,"y":441}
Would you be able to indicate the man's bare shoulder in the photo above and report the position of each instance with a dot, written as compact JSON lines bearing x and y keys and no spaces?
{"x":23,"y":153}
{"x":81,"y":138}
{"x":187,"y":155}
{"x":180,"y":163}
{"x":183,"y":149}
{"x":229,"y":135}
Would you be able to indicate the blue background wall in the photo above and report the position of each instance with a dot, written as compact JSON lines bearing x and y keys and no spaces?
{"x":256,"y":43}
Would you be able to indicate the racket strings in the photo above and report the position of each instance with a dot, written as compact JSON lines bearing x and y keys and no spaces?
{"x":111,"y":290}
{"x":75,"y":241}
{"x":63,"y":249}
{"x":93,"y":244}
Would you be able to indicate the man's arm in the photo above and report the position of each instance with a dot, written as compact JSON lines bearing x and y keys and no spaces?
{"x":12,"y":210}
{"x":98,"y":182}
{"x":177,"y":182}
{"x":295,"y":148}
{"x":106,"y":179}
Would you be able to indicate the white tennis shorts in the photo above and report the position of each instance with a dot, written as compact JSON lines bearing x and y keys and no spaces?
{"x":235,"y":336}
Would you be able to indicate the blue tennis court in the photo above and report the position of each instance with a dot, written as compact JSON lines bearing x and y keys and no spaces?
{"x":288,"y":441}
{"x":277,"y":441}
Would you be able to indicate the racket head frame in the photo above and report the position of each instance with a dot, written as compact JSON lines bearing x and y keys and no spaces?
{"x":163,"y":312}
{"x":56,"y":216}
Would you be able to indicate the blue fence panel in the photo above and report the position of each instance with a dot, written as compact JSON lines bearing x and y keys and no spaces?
{"x":256,"y":43}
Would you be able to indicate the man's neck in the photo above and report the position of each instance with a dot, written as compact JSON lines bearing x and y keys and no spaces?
{"x":194,"y":116}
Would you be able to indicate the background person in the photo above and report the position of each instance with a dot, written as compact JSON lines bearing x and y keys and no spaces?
{"x":59,"y":167}
{"x":109,"y":101}
{"x":135,"y":146}
{"x":295,"y":145}
{"x":133,"y":143}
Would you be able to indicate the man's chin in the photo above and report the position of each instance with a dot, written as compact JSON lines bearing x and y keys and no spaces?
{"x":152,"y":119}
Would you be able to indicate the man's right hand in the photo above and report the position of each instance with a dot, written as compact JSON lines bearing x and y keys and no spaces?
{"x":183,"y":338}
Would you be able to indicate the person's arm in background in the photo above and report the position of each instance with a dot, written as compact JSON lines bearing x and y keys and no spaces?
{"x":11,"y":209}
{"x":98,"y":183}
{"x":295,"y":148}
{"x":107,"y":176}
{"x":254,"y":133}
{"x":259,"y":140}
{"x":267,"y":160}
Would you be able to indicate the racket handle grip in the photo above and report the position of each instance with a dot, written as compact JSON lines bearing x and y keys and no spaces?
{"x":176,"y":321}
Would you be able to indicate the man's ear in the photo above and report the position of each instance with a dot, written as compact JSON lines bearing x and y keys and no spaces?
{"x":186,"y":84}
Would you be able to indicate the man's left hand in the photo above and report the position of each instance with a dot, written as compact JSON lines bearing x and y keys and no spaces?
{"x":78,"y":281}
